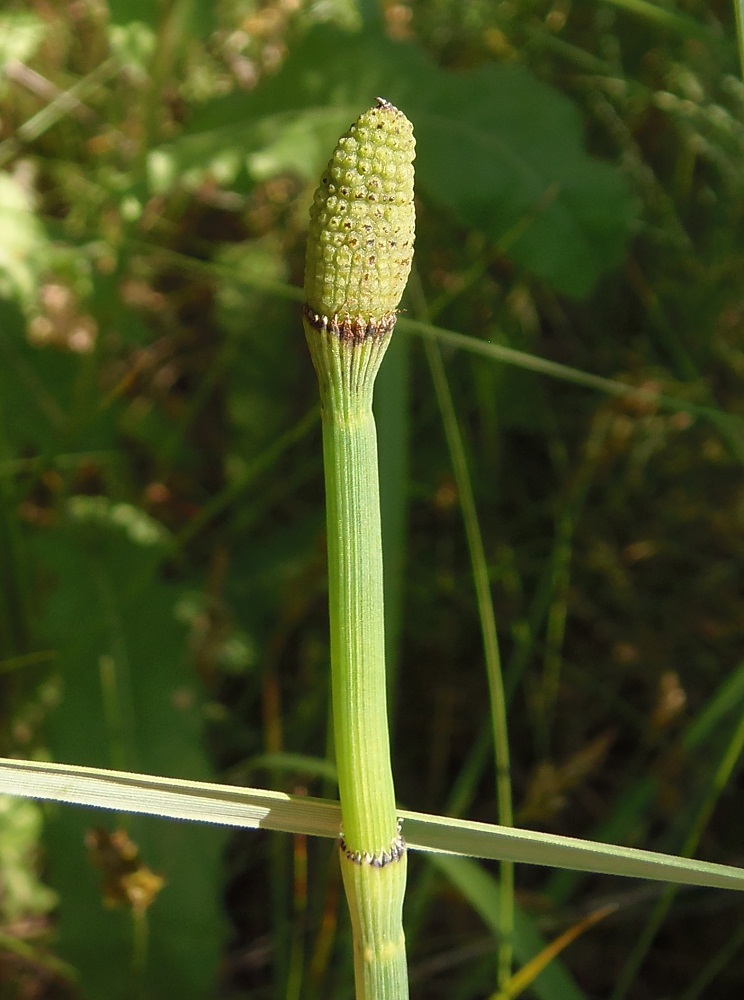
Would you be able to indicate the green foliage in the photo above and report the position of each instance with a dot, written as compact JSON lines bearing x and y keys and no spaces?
{"x":25,"y":249}
{"x":20,"y":37}
{"x":161,"y":522}
{"x":23,"y":894}
{"x":495,"y":147}
{"x":128,"y":697}
{"x":482,"y":891}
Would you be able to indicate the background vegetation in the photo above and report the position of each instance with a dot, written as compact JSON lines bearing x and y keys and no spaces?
{"x":162,"y":585}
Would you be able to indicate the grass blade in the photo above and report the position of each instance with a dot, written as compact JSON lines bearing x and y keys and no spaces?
{"x":254,"y":808}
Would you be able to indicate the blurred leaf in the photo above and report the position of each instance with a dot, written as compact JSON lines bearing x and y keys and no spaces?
{"x":20,"y":35}
{"x":134,"y":523}
{"x":21,"y":893}
{"x":127,"y":11}
{"x":137,"y":26}
{"x":24,"y":250}
{"x":133,"y":43}
{"x":128,"y":696}
{"x":49,"y":405}
{"x":497,"y":148}
{"x":195,"y":19}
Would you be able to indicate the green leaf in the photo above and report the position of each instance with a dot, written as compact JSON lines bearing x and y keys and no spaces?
{"x":194,"y":17}
{"x":128,"y":696}
{"x":127,"y":11}
{"x":505,"y":153}
{"x":482,"y":890}
{"x":498,"y":149}
{"x":254,"y":808}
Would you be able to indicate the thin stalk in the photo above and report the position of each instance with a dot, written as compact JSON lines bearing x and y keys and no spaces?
{"x":486,"y":614}
{"x":739,"y":15}
{"x":490,"y":645}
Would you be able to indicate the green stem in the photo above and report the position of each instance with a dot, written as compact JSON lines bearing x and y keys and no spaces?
{"x":375,"y":897}
{"x":372,"y":857}
{"x":739,"y":16}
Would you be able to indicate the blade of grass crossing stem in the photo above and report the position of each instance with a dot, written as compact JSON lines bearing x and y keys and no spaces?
{"x":253,"y":808}
{"x":359,"y":253}
{"x":734,"y":423}
{"x":488,"y":629}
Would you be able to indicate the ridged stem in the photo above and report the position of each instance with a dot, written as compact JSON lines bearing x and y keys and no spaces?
{"x":372,"y":858}
{"x":375,"y":897}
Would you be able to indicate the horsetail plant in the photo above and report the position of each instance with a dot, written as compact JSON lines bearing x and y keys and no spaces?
{"x":359,"y":254}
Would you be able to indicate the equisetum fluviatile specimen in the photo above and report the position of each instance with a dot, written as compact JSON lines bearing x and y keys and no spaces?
{"x":359,"y":253}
